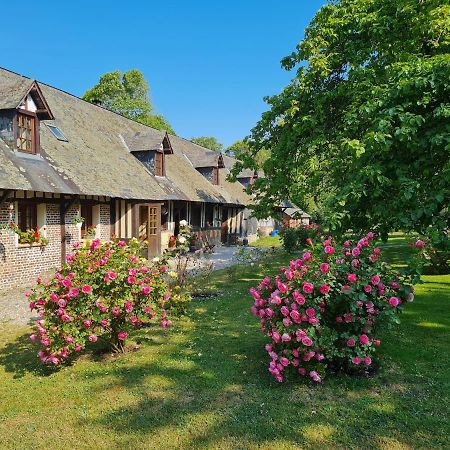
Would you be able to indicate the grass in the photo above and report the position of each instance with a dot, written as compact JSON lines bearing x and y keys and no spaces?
{"x":267,"y":241}
{"x":204,"y":384}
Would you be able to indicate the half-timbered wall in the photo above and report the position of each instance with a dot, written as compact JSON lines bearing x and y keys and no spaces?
{"x":123,"y":226}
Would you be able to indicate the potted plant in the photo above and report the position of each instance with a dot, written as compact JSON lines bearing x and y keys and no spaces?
{"x":78,"y":221}
{"x":91,"y":232}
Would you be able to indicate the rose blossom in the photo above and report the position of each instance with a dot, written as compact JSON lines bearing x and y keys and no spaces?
{"x":86,"y":289}
{"x":364,"y":339}
{"x":298,"y":298}
{"x":308,"y":288}
{"x":324,"y":267}
{"x":324,"y":289}
{"x":296,"y":317}
{"x":351,"y":342}
{"x":352,"y":277}
{"x":329,"y":250}
{"x":394,"y":302}
{"x":62,"y":303}
{"x":284,"y":362}
{"x":367,"y":360}
{"x":74,"y":292}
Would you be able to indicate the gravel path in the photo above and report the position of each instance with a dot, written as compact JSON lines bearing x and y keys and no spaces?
{"x":14,"y":305}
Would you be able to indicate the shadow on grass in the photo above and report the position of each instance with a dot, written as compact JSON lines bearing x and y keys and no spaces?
{"x":210,"y":388}
{"x":205,"y":384}
{"x":20,"y":358}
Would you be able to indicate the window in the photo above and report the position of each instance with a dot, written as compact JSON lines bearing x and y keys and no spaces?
{"x":26,"y":133}
{"x":152,"y":221}
{"x":159,"y":164}
{"x":87,"y":228}
{"x":27,"y":216}
{"x":57,"y":133}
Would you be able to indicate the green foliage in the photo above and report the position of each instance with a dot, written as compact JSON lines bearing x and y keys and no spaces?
{"x":363,"y":129}
{"x":327,"y":308}
{"x":295,"y":239}
{"x":208,"y":366}
{"x":157,"y":121}
{"x":127,"y":94}
{"x":208,"y":142}
{"x":30,"y":236}
{"x":104,"y":290}
{"x":241,"y":150}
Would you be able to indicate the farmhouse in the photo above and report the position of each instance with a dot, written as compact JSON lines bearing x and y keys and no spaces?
{"x":62,"y":158}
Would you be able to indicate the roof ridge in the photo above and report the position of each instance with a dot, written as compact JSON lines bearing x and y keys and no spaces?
{"x":79,"y":98}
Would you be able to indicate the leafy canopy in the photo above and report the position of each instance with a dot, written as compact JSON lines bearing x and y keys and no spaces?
{"x":242,"y":149}
{"x":363,"y":129}
{"x":127,"y":94}
{"x":208,"y":142}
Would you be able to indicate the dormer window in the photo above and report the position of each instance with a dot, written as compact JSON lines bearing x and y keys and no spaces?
{"x":26,"y":132}
{"x":150,"y":148}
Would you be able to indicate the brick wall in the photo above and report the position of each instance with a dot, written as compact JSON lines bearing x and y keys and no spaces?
{"x":105,"y":220}
{"x":22,"y":264}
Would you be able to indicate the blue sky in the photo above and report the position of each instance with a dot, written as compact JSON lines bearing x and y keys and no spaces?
{"x":209,"y":63}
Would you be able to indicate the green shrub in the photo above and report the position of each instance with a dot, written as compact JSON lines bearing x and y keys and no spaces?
{"x":295,"y":239}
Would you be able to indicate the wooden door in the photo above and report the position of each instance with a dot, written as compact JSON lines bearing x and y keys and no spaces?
{"x":154,"y":230}
{"x":150,"y":228}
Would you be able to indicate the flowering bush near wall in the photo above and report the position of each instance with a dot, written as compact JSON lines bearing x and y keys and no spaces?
{"x":327,"y":308}
{"x":104,"y":290}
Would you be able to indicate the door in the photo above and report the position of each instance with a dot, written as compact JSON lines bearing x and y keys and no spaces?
{"x":154,"y":230}
{"x":150,"y":228}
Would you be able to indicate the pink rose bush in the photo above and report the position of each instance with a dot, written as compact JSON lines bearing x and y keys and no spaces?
{"x":326,"y":308}
{"x":104,"y":290}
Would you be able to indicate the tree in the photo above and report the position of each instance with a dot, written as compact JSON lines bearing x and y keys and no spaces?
{"x":363,"y":129}
{"x":127,"y":94}
{"x":208,"y":142}
{"x":240,"y":149}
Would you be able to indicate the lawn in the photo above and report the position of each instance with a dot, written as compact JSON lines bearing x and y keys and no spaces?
{"x":267,"y":241}
{"x":204,"y":384}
